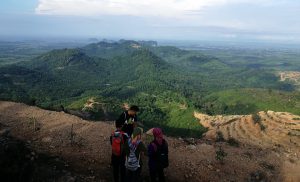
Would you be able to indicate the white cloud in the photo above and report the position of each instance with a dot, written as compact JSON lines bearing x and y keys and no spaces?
{"x":256,"y":15}
{"x":165,"y":8}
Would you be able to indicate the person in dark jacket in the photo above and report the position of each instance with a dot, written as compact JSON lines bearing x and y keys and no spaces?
{"x":128,"y":120}
{"x":158,"y":156}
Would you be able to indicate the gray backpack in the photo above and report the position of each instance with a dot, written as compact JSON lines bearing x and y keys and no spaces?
{"x":132,"y":162}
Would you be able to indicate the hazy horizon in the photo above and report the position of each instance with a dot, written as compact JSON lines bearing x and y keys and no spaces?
{"x":190,"y":20}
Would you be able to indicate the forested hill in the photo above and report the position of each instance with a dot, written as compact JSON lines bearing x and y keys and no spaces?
{"x":168,"y":83}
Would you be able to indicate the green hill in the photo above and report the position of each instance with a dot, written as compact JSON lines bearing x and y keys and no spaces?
{"x":245,"y":101}
{"x":64,"y":77}
{"x":168,"y":83}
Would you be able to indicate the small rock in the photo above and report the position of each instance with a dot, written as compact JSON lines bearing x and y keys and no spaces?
{"x":46,"y":139}
{"x":218,"y":170}
{"x":190,"y":141}
{"x":210,"y":167}
{"x":192,"y":147}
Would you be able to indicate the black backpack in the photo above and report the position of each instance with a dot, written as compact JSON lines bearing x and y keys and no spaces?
{"x":161,"y":154}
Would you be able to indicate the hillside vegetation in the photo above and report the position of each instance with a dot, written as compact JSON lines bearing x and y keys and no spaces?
{"x":168,"y":83}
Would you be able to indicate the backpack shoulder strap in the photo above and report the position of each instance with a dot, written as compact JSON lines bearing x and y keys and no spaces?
{"x":125,"y":117}
{"x":137,"y":145}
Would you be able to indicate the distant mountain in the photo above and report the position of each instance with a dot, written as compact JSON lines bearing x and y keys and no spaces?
{"x":109,"y":49}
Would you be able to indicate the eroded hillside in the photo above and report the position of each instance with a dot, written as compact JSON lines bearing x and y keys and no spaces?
{"x":264,"y":129}
{"x":85,"y":147}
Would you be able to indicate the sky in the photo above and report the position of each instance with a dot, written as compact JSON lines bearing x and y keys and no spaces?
{"x":234,"y":20}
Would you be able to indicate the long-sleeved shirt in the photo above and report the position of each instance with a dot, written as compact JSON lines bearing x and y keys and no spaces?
{"x":153,"y":162}
{"x":127,"y":122}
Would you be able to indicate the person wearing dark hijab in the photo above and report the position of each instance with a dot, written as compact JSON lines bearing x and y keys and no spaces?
{"x":158,"y":156}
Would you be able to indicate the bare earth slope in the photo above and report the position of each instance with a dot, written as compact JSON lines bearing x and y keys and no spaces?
{"x":271,"y":130}
{"x":276,"y":131}
{"x":86,"y":149}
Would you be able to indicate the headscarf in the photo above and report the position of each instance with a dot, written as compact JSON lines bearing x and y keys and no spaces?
{"x":137,"y":131}
{"x":158,"y":135}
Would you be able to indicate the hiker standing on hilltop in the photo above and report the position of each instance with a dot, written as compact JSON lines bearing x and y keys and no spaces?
{"x":124,"y":128}
{"x":134,"y":149}
{"x":128,"y":120}
{"x":117,"y":140}
{"x":158,"y":156}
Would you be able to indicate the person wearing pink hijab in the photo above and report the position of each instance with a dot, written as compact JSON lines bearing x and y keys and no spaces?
{"x":158,"y":156}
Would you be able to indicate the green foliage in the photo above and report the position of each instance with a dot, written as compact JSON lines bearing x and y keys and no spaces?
{"x":168,"y":83}
{"x":220,"y":137}
{"x":220,"y":155}
{"x":245,"y":101}
{"x":257,"y":120}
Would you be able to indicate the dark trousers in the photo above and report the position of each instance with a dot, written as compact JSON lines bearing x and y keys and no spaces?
{"x":119,"y":170}
{"x":134,"y":176}
{"x":157,"y":174}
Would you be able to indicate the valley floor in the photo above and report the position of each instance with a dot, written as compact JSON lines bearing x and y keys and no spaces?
{"x":85,"y":148}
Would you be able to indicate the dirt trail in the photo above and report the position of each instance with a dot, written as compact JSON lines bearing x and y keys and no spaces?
{"x":86,"y":149}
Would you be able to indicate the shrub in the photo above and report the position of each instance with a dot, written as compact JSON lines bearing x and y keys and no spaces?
{"x":257,"y":120}
{"x":219,"y":137}
{"x":220,"y":155}
{"x":262,"y":127}
{"x":233,"y":142}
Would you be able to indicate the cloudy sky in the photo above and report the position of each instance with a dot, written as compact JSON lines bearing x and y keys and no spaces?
{"x":261,"y":20}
